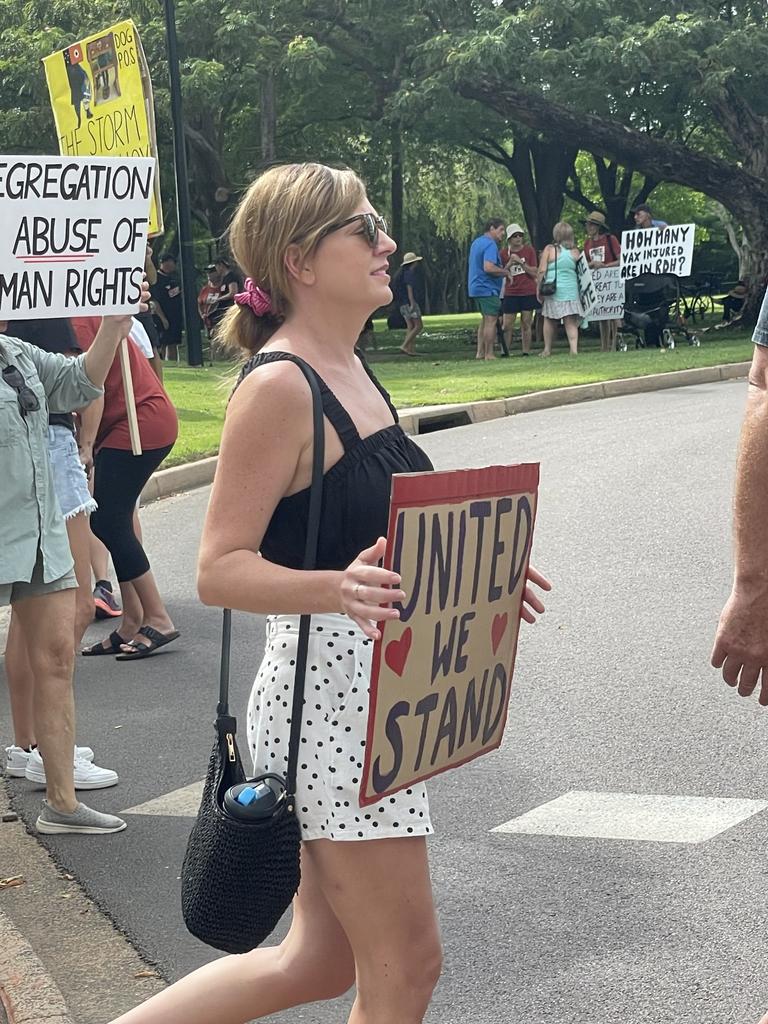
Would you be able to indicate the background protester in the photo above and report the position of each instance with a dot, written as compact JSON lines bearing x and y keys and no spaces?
{"x":166,"y":292}
{"x":483,"y":283}
{"x":519,"y":293}
{"x":409,"y":292}
{"x":208,"y":296}
{"x":644,"y":218}
{"x":119,"y":478}
{"x":733,"y":302}
{"x":558,"y":266}
{"x":602,"y":249}
{"x":36,"y":565}
{"x":230,"y":283}
{"x":70,"y":483}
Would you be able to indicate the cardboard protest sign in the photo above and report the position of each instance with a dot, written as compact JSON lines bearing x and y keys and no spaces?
{"x":101,"y":96}
{"x":584,"y":279}
{"x":74,"y":234}
{"x":609,"y":294}
{"x":442,"y":672}
{"x":664,"y":250}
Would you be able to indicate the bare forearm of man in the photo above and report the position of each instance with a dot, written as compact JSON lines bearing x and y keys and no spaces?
{"x":751,"y":497}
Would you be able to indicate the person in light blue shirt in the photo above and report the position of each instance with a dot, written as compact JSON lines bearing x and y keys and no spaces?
{"x":484,"y":274}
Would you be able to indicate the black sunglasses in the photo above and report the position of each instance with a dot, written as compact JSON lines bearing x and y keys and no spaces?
{"x":372,"y":225}
{"x":28,"y":401}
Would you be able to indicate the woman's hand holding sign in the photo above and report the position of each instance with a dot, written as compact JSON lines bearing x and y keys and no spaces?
{"x":532,"y":603}
{"x":367,"y":592}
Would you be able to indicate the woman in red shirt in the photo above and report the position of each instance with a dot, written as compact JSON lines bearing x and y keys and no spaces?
{"x":119,"y":478}
{"x":519,"y":295}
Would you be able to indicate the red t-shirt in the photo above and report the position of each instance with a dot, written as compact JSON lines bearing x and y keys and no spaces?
{"x":521,"y":283}
{"x":158,"y":426}
{"x":603,"y":249}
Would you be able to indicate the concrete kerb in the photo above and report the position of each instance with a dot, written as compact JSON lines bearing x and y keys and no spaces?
{"x":28,"y":993}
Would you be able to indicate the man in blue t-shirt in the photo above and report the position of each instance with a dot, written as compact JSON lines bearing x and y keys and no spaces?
{"x":484,"y":283}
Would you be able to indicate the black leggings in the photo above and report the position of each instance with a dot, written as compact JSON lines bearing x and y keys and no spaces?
{"x":120,"y":477}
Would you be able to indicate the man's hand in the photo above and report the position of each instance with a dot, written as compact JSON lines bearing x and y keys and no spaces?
{"x":741,"y":644}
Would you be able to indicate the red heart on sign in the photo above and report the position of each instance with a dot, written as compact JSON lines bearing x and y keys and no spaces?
{"x":498,"y":629}
{"x":396,"y":652}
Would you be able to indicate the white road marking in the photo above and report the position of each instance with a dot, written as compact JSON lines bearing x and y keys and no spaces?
{"x":180,"y":803}
{"x":657,"y":819}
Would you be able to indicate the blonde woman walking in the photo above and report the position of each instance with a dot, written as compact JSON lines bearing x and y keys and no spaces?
{"x":317,"y":256}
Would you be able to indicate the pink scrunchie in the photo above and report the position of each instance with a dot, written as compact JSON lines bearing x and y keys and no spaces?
{"x":256,"y":299}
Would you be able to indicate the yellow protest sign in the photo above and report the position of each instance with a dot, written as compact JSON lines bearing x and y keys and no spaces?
{"x":101,"y":96}
{"x":442,"y":672}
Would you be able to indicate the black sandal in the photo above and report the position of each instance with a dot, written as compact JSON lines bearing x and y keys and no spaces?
{"x":140,"y":650}
{"x":97,"y":650}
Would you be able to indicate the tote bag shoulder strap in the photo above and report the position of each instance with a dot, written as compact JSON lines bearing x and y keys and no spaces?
{"x":310,"y":559}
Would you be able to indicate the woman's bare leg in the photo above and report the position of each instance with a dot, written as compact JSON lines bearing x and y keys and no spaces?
{"x":550,"y":332}
{"x":526,"y":329}
{"x":79,"y":534}
{"x":313,"y":962}
{"x":21,"y":685}
{"x":381,"y":893}
{"x":572,"y":333}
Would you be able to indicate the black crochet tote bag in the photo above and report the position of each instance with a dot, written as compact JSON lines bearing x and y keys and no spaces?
{"x":239,"y":877}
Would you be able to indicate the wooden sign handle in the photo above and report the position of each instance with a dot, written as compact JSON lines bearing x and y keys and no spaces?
{"x":130,"y":401}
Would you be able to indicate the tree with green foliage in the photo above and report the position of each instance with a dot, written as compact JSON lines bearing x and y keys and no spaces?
{"x":676,"y":91}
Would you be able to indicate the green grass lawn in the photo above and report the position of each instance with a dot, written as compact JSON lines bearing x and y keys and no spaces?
{"x":447,"y":372}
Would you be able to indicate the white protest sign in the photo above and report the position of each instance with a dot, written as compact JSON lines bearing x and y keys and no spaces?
{"x":586,"y":288}
{"x":663,"y":250}
{"x":609,"y":294}
{"x":74,"y":234}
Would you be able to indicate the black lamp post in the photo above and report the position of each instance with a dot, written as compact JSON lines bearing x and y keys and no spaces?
{"x":184,"y":215}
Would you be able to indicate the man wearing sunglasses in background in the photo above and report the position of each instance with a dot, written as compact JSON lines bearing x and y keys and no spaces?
{"x":36,"y":566}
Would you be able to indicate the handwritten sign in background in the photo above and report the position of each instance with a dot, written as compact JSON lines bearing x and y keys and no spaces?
{"x":667,"y":250}
{"x":442,"y":673}
{"x":74,"y":234}
{"x":608,"y":289}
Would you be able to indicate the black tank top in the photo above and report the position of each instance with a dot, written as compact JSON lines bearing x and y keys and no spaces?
{"x":356,"y":489}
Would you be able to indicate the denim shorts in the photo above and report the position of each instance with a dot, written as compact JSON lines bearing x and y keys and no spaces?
{"x":69,"y":478}
{"x":760,"y":337}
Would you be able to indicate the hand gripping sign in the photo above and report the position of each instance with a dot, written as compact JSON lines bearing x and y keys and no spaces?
{"x":442,"y":672}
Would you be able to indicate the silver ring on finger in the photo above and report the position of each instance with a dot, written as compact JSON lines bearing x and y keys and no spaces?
{"x":357,"y":591}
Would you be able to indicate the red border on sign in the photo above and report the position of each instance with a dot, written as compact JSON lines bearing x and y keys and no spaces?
{"x":416,"y":490}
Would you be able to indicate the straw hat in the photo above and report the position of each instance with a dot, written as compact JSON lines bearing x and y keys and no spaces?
{"x":411,"y":257}
{"x":597,"y":218}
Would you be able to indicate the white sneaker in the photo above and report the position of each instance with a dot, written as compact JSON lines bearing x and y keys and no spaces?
{"x":16,"y":759}
{"x":87,"y":774}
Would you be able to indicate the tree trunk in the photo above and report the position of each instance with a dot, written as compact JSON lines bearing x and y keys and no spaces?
{"x":744,"y":194}
{"x":268,"y":117}
{"x":396,"y":196}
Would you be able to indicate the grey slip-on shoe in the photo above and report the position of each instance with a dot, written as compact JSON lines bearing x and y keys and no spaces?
{"x":83,"y":820}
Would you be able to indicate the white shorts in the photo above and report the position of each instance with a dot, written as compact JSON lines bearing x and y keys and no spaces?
{"x":332,"y":734}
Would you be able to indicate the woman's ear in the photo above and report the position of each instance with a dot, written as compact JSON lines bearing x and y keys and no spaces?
{"x":299,"y":267}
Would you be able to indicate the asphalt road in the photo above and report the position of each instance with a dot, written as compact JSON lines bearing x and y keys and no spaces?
{"x":613,"y":694}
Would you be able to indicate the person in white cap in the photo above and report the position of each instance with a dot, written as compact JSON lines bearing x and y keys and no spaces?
{"x":408,"y":290}
{"x":519,"y":289}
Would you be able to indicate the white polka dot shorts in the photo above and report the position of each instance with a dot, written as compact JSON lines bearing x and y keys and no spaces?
{"x":333,"y":732}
